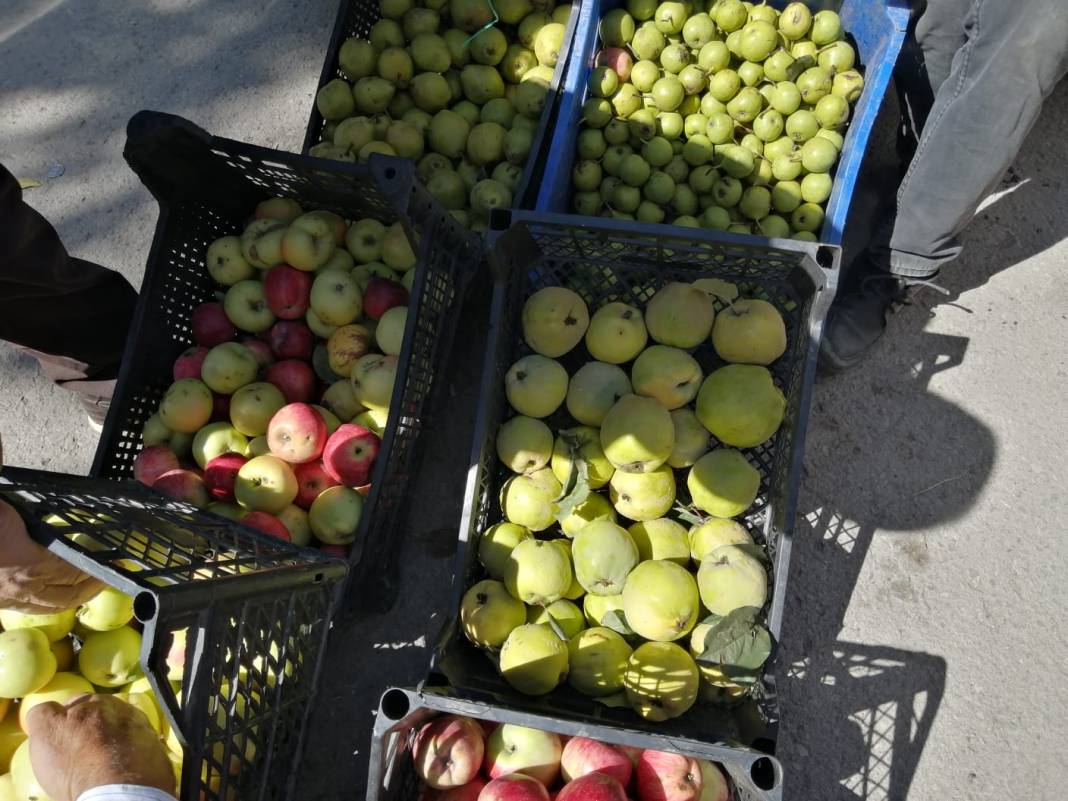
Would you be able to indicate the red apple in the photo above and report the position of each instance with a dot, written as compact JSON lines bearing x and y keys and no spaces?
{"x":220,"y":408}
{"x":350,"y":454}
{"x":341,"y":551}
{"x":189,"y":362}
{"x":211,"y":326}
{"x":291,"y":340}
{"x":153,"y":462}
{"x":287,"y":291}
{"x":593,"y":787}
{"x":260,"y":350}
{"x":183,"y":485}
{"x":664,"y":776}
{"x":448,"y":751}
{"x":294,"y":378}
{"x":221,"y":473}
{"x":312,"y":479}
{"x":268,"y":524}
{"x":467,"y":792}
{"x":296,"y":433}
{"x":514,"y":787}
{"x":583,"y":755}
{"x":382,"y":295}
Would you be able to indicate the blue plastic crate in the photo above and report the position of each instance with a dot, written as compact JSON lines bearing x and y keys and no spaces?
{"x":878,"y":26}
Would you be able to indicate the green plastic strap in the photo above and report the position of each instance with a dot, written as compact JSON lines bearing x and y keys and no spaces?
{"x":490,"y":24}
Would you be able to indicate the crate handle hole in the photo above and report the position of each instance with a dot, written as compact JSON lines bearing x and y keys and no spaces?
{"x":765,"y":773}
{"x":825,"y":257}
{"x":395,"y":704}
{"x":145,"y":606}
{"x":391,"y":173}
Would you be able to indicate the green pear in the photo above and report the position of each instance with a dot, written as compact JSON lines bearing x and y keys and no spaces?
{"x":537,"y":572}
{"x":488,"y":613}
{"x":581,"y":442}
{"x":533,"y":659}
{"x":643,"y":496}
{"x":597,"y":659}
{"x":604,"y":555}
{"x":594,"y":389}
{"x":661,"y":538}
{"x":729,"y":578}
{"x":661,"y":681}
{"x":669,"y":375}
{"x":723,"y":483}
{"x":554,"y":320}
{"x":661,"y":601}
{"x":714,"y":533}
{"x":750,"y":331}
{"x":741,"y":405}
{"x":637,"y":434}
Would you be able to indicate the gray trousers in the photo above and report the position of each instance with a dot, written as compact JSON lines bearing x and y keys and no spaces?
{"x":973,"y":80}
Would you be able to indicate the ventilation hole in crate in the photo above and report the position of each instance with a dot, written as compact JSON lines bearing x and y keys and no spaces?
{"x":765,"y":773}
{"x":825,"y":257}
{"x":145,"y":606}
{"x":395,"y":704}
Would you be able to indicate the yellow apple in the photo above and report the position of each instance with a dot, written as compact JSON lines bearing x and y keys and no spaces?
{"x":111,"y":658}
{"x":54,"y":626}
{"x":108,"y":609}
{"x":11,"y":737}
{"x":26,"y":662}
{"x":61,"y":688}
{"x":27,"y":788}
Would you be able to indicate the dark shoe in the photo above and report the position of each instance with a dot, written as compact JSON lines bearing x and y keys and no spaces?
{"x":857,"y":319}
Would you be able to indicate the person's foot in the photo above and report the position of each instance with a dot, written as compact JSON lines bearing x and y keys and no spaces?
{"x":857,"y":318}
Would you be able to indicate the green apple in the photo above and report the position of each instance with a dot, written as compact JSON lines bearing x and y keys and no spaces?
{"x":108,"y":609}
{"x":215,"y":439}
{"x":24,"y":784}
{"x":581,"y":442}
{"x":373,"y":420}
{"x":364,"y":238}
{"x":643,"y":496}
{"x":637,"y":434}
{"x":111,"y":658}
{"x":616,"y":334}
{"x":257,"y":446}
{"x":496,"y":544}
{"x":563,"y":613}
{"x":537,"y":572}
{"x":524,"y":444}
{"x":519,"y":750}
{"x":253,"y":406}
{"x":661,"y":538}
{"x":26,"y":662}
{"x":750,"y":331}
{"x":265,"y":484}
{"x":661,"y":681}
{"x":246,"y":307}
{"x":372,"y":379}
{"x":261,"y":243}
{"x":389,"y":333}
{"x":729,"y":578}
{"x":661,"y":601}
{"x":186,"y":406}
{"x":530,"y":500}
{"x":61,"y":688}
{"x":536,"y":385}
{"x":55,"y":626}
{"x":669,"y":375}
{"x":309,"y":242}
{"x":714,"y":533}
{"x":596,"y":507}
{"x":488,"y":613}
{"x":533,"y":659}
{"x":723,"y":483}
{"x":297,"y":524}
{"x":397,"y":251}
{"x":335,"y":514}
{"x":604,"y":554}
{"x":554,"y":320}
{"x":597,"y":659}
{"x":594,"y":389}
{"x":336,"y":298}
{"x":741,"y":405}
{"x":228,"y":367}
{"x":226,"y":263}
{"x":680,"y":315}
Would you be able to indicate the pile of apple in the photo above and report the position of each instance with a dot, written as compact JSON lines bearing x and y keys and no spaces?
{"x":462,"y":759}
{"x":456,"y":85}
{"x":591,"y":515}
{"x":57,"y":657}
{"x":275,"y":415}
{"x":726,"y":115}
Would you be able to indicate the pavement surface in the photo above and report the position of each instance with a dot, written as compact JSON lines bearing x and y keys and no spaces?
{"x":920,"y":653}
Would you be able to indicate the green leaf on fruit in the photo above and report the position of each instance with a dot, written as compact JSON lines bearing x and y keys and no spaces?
{"x":615,"y":700}
{"x":738,"y":644}
{"x":690,"y":514}
{"x":718,"y":288}
{"x":577,"y":490}
{"x":755,"y":551}
{"x":615,"y":619}
{"x":554,"y":624}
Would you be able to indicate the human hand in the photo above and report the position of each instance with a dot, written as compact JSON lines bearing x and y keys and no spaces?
{"x":92,"y":741}
{"x":32,"y":578}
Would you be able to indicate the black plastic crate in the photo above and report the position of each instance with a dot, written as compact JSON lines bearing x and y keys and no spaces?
{"x":356,"y":18}
{"x":753,"y":776}
{"x":257,"y":612}
{"x":206,"y":187}
{"x":605,"y":260}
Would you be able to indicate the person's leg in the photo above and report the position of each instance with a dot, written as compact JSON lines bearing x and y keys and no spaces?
{"x":1014,"y":56}
{"x":71,"y":315}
